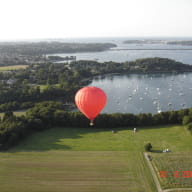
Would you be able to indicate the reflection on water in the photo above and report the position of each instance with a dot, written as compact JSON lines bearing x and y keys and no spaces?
{"x":146,"y":93}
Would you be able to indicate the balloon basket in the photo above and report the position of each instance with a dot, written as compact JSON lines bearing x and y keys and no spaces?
{"x":91,"y":123}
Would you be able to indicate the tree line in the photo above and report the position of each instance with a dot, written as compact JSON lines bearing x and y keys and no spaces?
{"x":48,"y":114}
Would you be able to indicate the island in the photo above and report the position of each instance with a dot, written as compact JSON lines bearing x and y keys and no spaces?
{"x":145,"y":65}
{"x":39,"y":48}
{"x":145,"y":41}
{"x":158,"y":41}
{"x":185,"y":42}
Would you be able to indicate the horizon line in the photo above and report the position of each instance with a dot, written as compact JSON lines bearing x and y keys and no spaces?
{"x":86,"y":37}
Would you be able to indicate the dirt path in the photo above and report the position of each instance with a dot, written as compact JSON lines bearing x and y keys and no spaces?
{"x":153,"y":173}
{"x":178,"y":189}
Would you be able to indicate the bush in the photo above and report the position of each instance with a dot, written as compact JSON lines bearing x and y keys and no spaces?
{"x":148,"y":147}
{"x":186,"y":120}
{"x":189,"y":126}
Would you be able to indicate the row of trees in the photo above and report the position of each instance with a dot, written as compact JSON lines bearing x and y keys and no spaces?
{"x":48,"y":114}
{"x":13,"y":106}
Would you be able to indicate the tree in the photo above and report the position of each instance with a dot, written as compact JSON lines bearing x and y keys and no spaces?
{"x":148,"y":147}
{"x":189,"y":126}
{"x":8,"y":116}
{"x":186,"y":120}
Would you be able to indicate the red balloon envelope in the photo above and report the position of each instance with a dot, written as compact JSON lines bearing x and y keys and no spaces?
{"x":90,"y":101}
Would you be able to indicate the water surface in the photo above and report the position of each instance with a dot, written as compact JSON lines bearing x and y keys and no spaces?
{"x":146,"y":93}
{"x":121,"y":54}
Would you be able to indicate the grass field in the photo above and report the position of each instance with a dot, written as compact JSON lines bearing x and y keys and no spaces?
{"x":13,"y":67}
{"x":42,"y":87}
{"x":17,"y":113}
{"x":88,"y":160}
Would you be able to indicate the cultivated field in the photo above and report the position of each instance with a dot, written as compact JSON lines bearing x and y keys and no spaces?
{"x":178,"y":167}
{"x":13,"y":67}
{"x":88,"y":160}
{"x":72,"y":171}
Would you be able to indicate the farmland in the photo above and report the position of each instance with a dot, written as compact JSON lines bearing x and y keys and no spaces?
{"x":177,"y":167}
{"x":71,"y":171}
{"x":17,"y":113}
{"x":94,"y":160}
{"x":13,"y":67}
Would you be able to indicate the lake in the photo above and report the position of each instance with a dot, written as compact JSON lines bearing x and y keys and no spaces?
{"x":141,"y":93}
{"x":146,"y":93}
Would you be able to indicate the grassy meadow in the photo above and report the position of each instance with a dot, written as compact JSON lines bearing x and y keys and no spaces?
{"x":43,"y":87}
{"x":17,"y":113}
{"x":13,"y":67}
{"x":90,"y":159}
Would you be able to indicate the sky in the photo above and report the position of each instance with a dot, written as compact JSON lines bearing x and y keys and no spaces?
{"x":33,"y":19}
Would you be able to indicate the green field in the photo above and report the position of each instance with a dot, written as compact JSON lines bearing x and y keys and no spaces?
{"x":17,"y":113}
{"x":43,"y":87}
{"x":13,"y":67}
{"x":88,"y":160}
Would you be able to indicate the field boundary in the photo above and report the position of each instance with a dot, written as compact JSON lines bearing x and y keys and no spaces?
{"x":12,"y":67}
{"x":156,"y":180}
{"x":158,"y":185}
{"x":178,"y":189}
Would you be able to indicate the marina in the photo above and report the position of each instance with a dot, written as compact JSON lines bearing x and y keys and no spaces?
{"x":138,"y":93}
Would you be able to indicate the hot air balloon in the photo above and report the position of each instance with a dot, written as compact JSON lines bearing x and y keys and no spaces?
{"x":90,"y":101}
